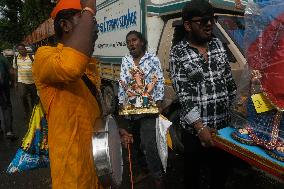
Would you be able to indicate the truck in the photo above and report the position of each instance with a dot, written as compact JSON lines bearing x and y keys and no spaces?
{"x":160,"y":21}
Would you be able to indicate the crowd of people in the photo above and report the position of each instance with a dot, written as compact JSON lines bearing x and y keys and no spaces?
{"x":200,"y":73}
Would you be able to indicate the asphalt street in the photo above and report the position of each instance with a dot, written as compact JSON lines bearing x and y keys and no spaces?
{"x":245,"y":178}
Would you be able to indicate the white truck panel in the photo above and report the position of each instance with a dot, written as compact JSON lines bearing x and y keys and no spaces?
{"x":154,"y":29}
{"x":115,"y":19}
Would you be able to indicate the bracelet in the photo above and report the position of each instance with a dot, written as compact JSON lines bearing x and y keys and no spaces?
{"x":88,"y":9}
{"x":199,"y":130}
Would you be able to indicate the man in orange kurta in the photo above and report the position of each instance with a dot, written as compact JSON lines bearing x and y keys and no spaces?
{"x":70,"y":107}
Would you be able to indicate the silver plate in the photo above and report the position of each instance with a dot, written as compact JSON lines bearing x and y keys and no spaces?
{"x":107,"y":153}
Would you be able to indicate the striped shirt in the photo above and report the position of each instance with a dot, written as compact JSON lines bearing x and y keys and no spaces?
{"x":24,"y":66}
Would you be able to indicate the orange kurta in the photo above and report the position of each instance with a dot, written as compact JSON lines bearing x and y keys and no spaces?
{"x":71,"y":112}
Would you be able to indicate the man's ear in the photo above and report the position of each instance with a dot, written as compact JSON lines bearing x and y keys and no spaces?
{"x":66,"y":25}
{"x":187,"y":26}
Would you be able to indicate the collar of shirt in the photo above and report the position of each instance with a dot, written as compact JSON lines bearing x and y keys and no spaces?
{"x":145,"y":57}
{"x":186,"y":43}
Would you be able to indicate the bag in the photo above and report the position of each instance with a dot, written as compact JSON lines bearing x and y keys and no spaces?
{"x":34,"y":150}
{"x":162,"y":126}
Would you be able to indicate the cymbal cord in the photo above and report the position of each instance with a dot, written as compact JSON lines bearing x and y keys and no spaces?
{"x":130,"y":166}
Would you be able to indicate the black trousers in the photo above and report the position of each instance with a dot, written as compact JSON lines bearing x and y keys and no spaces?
{"x":144,"y":133}
{"x":28,"y":95}
{"x":6,"y":107}
{"x":205,"y":166}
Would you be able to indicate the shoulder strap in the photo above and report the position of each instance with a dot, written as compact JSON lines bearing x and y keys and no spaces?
{"x":93,"y":90}
{"x":31,"y":57}
{"x":16,"y":61}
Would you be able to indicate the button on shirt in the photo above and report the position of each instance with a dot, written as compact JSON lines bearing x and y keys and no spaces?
{"x":205,"y":90}
{"x":151,"y":65}
{"x":24,"y":65}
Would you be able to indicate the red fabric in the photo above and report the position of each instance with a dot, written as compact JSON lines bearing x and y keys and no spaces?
{"x":267,"y":55}
{"x":65,"y":4}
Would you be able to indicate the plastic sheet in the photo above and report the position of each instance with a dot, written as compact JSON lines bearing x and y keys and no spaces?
{"x":34,"y":150}
{"x":162,"y":126}
{"x":258,"y":113}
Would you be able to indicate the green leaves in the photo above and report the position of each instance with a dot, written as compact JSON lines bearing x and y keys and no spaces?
{"x":18,"y":18}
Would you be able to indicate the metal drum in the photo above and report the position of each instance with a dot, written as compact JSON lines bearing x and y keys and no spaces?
{"x":107,"y":152}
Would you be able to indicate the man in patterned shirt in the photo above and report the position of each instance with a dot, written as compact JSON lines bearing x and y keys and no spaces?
{"x":204,"y":85}
{"x":144,"y":124}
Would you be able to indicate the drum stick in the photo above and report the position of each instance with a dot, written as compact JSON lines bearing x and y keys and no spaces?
{"x":130,"y":166}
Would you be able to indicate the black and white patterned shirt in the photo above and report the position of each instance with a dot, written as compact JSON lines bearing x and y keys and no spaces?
{"x":205,"y":90}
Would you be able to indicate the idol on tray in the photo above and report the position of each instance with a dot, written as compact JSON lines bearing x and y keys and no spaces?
{"x":138,"y":93}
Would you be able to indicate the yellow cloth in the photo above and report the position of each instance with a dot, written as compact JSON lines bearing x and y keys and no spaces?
{"x":71,"y":113}
{"x":35,"y":124}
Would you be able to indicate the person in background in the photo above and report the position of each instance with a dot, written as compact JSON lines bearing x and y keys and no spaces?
{"x":5,"y":100}
{"x":24,"y":80}
{"x":203,"y":81}
{"x":145,"y":125}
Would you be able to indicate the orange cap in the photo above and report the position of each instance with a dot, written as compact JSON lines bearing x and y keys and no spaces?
{"x":65,"y":4}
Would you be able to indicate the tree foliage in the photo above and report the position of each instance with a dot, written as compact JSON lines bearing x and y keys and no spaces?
{"x":18,"y":18}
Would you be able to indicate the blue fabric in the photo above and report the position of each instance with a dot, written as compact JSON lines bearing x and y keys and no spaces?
{"x":226,"y":134}
{"x":244,"y":136}
{"x":35,"y":156}
{"x":278,"y":153}
{"x":262,"y":122}
{"x":25,"y":161}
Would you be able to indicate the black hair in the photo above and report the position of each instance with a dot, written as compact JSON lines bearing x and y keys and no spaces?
{"x":65,"y":14}
{"x":21,"y":44}
{"x":197,"y":8}
{"x":179,"y":34}
{"x":140,"y":36}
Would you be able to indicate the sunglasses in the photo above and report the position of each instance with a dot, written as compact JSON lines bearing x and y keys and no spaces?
{"x":204,"y":20}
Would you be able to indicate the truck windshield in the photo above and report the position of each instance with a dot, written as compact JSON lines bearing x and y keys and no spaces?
{"x":235,"y":28}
